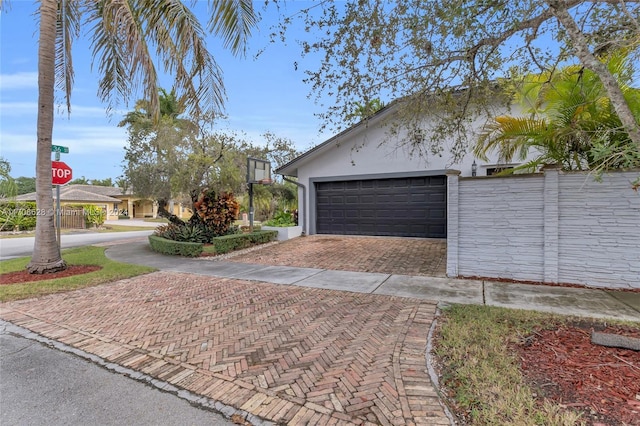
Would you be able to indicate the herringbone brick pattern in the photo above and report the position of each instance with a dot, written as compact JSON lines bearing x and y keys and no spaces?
{"x":286,"y":354}
{"x":387,"y":255}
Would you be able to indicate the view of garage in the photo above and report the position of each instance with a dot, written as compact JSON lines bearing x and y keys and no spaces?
{"x":403,"y":207}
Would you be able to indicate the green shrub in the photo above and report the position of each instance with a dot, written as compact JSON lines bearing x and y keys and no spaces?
{"x":167,"y":231}
{"x":188,"y":232}
{"x":94,"y":216}
{"x":214,"y":216}
{"x":192,"y":233}
{"x":228,"y":243}
{"x":18,"y":216}
{"x":281,"y":219}
{"x":181,"y":248}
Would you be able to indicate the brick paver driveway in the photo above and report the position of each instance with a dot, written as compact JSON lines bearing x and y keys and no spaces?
{"x":387,"y":255}
{"x":284,"y":354}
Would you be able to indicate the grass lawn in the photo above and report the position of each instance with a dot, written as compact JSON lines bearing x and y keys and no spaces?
{"x":111,"y":271}
{"x":481,"y":372}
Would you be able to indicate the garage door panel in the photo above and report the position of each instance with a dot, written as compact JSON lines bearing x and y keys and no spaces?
{"x":400,"y":199}
{"x":386,"y":214}
{"x":437,"y":213}
{"x":351,"y":214}
{"x":414,"y":207}
{"x":438,"y":198}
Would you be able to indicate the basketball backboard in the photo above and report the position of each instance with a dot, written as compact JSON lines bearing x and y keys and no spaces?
{"x":258,"y":171}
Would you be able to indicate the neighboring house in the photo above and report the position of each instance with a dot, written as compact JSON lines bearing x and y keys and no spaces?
{"x":113,"y":200}
{"x":363,"y":182}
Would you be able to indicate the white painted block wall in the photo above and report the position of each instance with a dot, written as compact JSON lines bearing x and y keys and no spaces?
{"x":554,"y":227}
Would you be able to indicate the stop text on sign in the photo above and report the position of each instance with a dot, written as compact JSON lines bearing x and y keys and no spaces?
{"x":60,"y":173}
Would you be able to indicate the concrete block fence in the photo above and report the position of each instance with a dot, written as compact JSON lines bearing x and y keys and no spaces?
{"x":552,"y":227}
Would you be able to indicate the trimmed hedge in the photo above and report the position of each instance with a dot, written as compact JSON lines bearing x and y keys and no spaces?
{"x":164,"y":246}
{"x":227,"y":243}
{"x":220,"y":245}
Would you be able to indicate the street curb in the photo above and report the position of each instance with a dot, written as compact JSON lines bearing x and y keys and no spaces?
{"x":192,"y":398}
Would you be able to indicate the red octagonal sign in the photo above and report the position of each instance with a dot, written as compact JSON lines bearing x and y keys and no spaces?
{"x":60,"y":173}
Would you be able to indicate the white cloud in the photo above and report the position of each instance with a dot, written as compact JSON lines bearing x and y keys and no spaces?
{"x":20,"y":109}
{"x":19,"y":81}
{"x":18,"y":142}
{"x":79,"y":139}
{"x":92,"y":139}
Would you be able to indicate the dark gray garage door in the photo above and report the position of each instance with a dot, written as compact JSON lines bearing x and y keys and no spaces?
{"x":405,"y":207}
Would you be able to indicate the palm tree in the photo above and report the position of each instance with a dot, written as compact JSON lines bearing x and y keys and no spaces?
{"x":126,"y":34}
{"x":364,"y":110}
{"x":569,"y":115}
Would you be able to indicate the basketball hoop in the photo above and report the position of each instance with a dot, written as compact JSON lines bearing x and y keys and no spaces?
{"x":258,"y":172}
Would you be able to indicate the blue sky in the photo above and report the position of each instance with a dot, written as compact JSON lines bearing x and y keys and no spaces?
{"x":264,"y":94}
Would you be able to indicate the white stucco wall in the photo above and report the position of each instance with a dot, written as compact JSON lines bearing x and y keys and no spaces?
{"x":368,"y":152}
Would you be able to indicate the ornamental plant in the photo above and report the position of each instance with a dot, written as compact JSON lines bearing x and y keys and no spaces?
{"x":213,"y":217}
{"x":283,"y":218}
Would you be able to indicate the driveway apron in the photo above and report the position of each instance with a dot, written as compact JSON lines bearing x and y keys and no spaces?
{"x":277,"y":353}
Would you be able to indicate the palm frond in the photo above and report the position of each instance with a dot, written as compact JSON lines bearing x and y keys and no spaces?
{"x":510,"y":137}
{"x":180,"y":41}
{"x":129,"y":34}
{"x":121,"y":50}
{"x":67,"y":30}
{"x":232,"y":20}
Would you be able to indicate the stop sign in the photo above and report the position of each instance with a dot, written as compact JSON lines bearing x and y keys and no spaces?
{"x":60,"y":173}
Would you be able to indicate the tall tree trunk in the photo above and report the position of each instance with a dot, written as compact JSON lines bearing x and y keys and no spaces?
{"x":581,"y":50}
{"x":46,"y":253}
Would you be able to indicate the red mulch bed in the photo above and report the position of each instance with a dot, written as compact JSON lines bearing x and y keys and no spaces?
{"x":25,"y":277}
{"x":601,"y":382}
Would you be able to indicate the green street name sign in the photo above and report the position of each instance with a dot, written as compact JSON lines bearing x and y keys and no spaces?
{"x":61,"y":149}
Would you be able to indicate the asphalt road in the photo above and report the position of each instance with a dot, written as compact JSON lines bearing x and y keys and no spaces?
{"x":40,"y":385}
{"x":17,"y":247}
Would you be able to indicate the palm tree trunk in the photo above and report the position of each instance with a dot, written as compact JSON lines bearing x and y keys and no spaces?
{"x":46,"y":253}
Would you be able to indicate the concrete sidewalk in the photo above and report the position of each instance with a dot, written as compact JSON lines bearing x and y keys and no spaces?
{"x":583,"y":302}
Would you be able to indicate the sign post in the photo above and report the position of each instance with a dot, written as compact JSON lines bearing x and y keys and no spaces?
{"x":258,"y":171}
{"x":65,"y":150}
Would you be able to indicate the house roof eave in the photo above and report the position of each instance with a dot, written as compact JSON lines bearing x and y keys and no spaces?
{"x":291,"y":168}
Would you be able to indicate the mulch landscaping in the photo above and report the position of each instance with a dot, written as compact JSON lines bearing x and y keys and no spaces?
{"x":19,"y":277}
{"x":564,"y":366}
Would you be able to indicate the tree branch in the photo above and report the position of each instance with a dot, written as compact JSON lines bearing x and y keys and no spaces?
{"x":581,"y":50}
